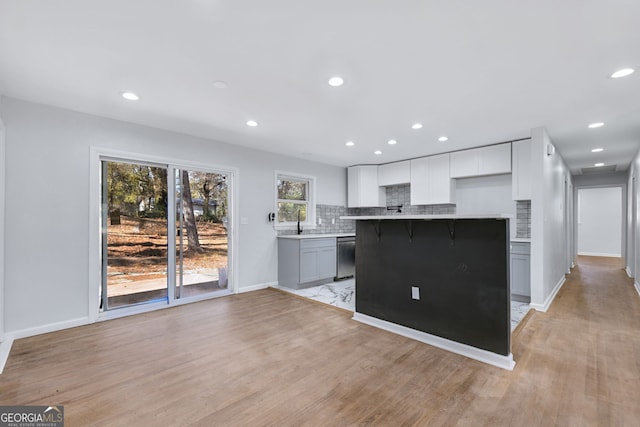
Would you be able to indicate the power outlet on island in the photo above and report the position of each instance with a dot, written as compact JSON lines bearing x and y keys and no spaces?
{"x":415,"y":292}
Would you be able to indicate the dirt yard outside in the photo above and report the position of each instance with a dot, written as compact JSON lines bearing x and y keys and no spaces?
{"x":137,"y":254}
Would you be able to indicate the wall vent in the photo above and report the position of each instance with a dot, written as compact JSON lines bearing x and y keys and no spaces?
{"x":596,"y":170}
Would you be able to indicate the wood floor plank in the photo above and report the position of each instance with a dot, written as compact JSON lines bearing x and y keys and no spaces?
{"x":269,"y":358}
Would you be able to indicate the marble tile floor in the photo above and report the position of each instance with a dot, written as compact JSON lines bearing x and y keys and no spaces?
{"x":342,"y":294}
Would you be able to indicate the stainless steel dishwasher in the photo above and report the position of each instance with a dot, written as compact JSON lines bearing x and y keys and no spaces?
{"x":346,"y":253}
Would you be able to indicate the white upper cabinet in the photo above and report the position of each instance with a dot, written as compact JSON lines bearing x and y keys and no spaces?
{"x":521,"y":177}
{"x":363,"y":189}
{"x":495,"y":159}
{"x":431,"y":183}
{"x":394,"y":173}
{"x":491,"y":160}
{"x":465,"y":163}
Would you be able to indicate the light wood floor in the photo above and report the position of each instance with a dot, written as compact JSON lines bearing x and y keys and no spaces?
{"x":269,"y":358}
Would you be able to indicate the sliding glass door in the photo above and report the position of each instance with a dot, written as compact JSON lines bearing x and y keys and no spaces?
{"x":134,"y":230}
{"x":158,"y":220}
{"x":202,"y":239}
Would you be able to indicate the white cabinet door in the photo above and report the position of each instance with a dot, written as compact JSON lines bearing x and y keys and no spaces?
{"x":431,"y":183}
{"x":521,"y":176}
{"x":363,"y":189}
{"x":394,"y":173}
{"x":492,"y":160}
{"x":465,"y":163}
{"x":495,"y":159}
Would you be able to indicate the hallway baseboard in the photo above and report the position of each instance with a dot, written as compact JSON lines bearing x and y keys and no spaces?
{"x":637,"y":286}
{"x":547,"y":303}
{"x":628,"y":271}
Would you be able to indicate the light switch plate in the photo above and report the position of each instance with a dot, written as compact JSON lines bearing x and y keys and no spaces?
{"x":415,"y":292}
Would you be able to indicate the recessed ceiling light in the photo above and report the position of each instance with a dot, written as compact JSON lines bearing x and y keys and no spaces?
{"x":349,"y":143}
{"x":130,"y":96}
{"x":622,"y":73}
{"x":220,"y":84}
{"x":252,"y":123}
{"x":597,"y":150}
{"x":377,"y":152}
{"x":336,"y":81}
{"x":443,"y":139}
{"x":392,"y":142}
{"x":598,"y":165}
{"x":416,"y":126}
{"x":596,"y":125}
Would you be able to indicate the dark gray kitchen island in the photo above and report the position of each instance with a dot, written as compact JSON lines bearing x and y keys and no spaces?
{"x":440,"y":279}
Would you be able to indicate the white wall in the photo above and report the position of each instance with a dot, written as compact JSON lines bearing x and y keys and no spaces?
{"x":2,"y":186}
{"x":631,"y":223}
{"x":47,"y":203}
{"x":486,"y":195}
{"x":633,"y":230}
{"x":600,"y":221}
{"x":549,"y":249}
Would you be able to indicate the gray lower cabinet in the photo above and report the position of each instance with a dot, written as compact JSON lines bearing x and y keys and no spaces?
{"x":521,"y":269}
{"x":306,"y":262}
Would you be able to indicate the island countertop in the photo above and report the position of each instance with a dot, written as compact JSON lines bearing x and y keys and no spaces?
{"x":427,"y":217}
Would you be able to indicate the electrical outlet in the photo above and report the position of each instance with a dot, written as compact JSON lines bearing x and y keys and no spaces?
{"x":320,"y":221}
{"x":415,"y":292}
{"x":333,"y":220}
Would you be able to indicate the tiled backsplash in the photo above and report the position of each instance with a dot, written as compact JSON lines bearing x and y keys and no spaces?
{"x":331,"y":222}
{"x":396,"y":195}
{"x":523,"y":219}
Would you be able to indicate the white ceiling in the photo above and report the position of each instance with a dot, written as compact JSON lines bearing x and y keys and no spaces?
{"x":478,"y":72}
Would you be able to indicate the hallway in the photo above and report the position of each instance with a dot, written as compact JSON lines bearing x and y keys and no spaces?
{"x":582,"y":358}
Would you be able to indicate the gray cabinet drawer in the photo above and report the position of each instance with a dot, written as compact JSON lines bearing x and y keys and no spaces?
{"x":520,"y":248}
{"x":317,"y":243}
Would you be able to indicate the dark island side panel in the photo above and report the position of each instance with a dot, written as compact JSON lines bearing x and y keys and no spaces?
{"x":461,"y":267}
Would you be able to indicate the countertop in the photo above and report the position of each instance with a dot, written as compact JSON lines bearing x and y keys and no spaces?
{"x":427,"y":217}
{"x":315,"y":236}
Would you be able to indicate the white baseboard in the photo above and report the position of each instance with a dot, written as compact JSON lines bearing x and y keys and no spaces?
{"x":5,"y":346}
{"x":637,"y":286}
{"x":5,"y":349}
{"x":51,"y":327}
{"x":547,"y":303}
{"x":257,"y":287}
{"x":628,"y":270}
{"x":599,"y":254}
{"x":504,"y":362}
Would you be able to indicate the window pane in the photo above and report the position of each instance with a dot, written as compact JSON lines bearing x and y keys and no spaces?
{"x":292,"y":190}
{"x":292,"y":212}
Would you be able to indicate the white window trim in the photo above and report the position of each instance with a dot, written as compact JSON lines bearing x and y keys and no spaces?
{"x":310,"y":223}
{"x":95,"y":251}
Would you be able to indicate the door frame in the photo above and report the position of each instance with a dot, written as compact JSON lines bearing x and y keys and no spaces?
{"x":576,"y":213}
{"x":98,"y":154}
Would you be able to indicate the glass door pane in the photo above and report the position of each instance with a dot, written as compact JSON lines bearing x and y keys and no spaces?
{"x":202,"y":241}
{"x":134,"y":234}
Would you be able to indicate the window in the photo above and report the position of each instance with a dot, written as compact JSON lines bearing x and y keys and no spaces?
{"x":295,"y":200}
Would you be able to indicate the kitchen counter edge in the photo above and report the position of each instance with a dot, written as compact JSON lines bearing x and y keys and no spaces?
{"x":427,"y":217}
{"x":315,"y":236}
